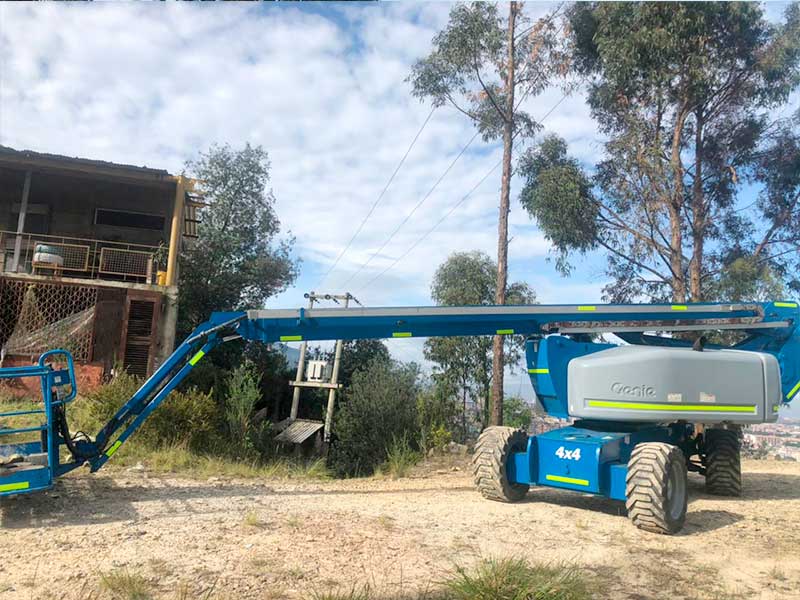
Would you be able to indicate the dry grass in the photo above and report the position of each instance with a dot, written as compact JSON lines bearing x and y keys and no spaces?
{"x":123,"y":584}
{"x":178,"y":460}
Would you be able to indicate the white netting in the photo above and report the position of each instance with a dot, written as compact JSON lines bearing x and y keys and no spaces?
{"x":45,"y":316}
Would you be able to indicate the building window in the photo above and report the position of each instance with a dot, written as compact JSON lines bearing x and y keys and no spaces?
{"x":37,"y":218}
{"x":123,"y":218}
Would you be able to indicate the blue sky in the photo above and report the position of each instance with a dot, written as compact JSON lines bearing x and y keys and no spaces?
{"x":323,"y":89}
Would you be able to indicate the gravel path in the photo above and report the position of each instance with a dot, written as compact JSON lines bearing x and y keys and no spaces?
{"x":283,"y":539}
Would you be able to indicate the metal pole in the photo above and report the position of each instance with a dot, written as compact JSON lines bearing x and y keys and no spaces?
{"x":23,"y":209}
{"x":334,"y":380}
{"x":300,"y":368}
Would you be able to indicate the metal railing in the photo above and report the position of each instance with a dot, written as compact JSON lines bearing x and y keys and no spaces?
{"x":85,"y":258}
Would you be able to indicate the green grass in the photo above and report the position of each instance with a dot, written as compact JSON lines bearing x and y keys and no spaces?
{"x":491,"y":579}
{"x":122,"y":584}
{"x":516,"y":579}
{"x":178,"y":460}
{"x":401,"y":457}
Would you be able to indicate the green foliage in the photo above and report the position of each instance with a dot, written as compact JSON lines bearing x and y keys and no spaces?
{"x":747,"y":280}
{"x":439,"y":437}
{"x":237,"y":262}
{"x":380,"y":405}
{"x":357,"y":354}
{"x":401,"y":455}
{"x":190,"y":418}
{"x":515,"y":579}
{"x":243,"y":393}
{"x":686,"y":95}
{"x":470,"y":278}
{"x":122,"y":584}
{"x":437,"y":411}
{"x":517,"y":413}
{"x":467,"y":66}
{"x":557,"y":194}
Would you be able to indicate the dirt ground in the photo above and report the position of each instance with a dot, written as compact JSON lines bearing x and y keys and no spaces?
{"x":283,"y":539}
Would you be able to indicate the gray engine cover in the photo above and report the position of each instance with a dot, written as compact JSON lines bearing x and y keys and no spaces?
{"x":646,"y":383}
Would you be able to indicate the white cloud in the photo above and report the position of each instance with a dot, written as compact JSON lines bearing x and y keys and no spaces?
{"x":321,"y":88}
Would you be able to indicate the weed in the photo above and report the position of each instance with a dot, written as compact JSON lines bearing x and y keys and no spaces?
{"x":515,"y":579}
{"x":400,"y":457}
{"x":126,"y":585}
{"x":777,"y":574}
{"x":386,"y":522}
{"x":251,"y":519}
{"x":293,"y":522}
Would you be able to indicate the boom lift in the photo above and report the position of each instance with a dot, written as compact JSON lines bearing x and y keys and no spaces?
{"x":644,"y":412}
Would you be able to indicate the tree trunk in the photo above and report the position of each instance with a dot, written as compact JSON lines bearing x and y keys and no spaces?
{"x":674,"y":207}
{"x":698,"y":214}
{"x":502,"y":225}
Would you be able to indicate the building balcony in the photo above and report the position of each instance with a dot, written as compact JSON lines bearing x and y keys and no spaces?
{"x":81,"y":258}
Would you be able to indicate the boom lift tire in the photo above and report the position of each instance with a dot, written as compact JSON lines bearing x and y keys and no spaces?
{"x":723,"y":462}
{"x":656,"y":487}
{"x":492,"y":453}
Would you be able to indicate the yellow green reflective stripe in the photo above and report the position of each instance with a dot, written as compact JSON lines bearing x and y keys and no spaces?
{"x":539,"y":371}
{"x":196,"y":358}
{"x":291,"y":338}
{"x":505,"y":332}
{"x":679,"y":307}
{"x":686,"y":407}
{"x":586,"y":308}
{"x":401,"y":334}
{"x":572,"y":480}
{"x":786,"y":304}
{"x":11,"y":487}
{"x":793,"y":391}
{"x":114,"y":447}
{"x":775,"y":408}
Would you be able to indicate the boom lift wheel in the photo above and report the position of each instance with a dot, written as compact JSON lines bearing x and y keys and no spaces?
{"x":723,"y":462}
{"x":656,"y":487}
{"x":492,"y":453}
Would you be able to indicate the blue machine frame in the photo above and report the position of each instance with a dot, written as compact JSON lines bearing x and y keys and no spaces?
{"x":588,"y":456}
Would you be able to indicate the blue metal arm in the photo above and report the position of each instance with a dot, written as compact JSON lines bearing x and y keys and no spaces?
{"x":772,"y":327}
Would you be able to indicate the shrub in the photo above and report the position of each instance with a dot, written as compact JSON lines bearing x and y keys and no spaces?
{"x":379,"y":406}
{"x":439,"y":437}
{"x":243,"y":392}
{"x":517,"y":413}
{"x":189,"y":418}
{"x":400,"y":457}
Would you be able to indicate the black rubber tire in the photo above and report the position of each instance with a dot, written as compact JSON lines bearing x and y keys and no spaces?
{"x":723,"y":462}
{"x":656,"y":487}
{"x":492,"y":452}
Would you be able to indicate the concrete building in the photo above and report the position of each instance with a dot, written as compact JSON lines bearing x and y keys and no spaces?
{"x":89,"y":259}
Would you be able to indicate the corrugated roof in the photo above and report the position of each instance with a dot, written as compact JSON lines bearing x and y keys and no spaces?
{"x":299,"y":431}
{"x":30,"y":155}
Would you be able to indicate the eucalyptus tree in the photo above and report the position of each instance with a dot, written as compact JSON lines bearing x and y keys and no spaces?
{"x":469,"y":278}
{"x":685,"y":94}
{"x":485,"y":65}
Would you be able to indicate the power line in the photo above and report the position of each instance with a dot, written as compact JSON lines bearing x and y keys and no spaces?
{"x":455,"y":206}
{"x":432,"y":229}
{"x":377,"y":201}
{"x":410,"y":214}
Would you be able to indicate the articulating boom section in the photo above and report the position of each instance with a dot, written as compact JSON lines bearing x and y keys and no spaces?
{"x":770,"y":328}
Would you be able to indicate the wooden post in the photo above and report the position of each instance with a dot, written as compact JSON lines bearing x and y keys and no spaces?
{"x":175,"y":231}
{"x":300,"y":368}
{"x":23,"y":209}
{"x":337,"y":359}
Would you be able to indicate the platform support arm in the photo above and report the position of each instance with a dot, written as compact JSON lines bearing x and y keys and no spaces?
{"x":159,"y":385}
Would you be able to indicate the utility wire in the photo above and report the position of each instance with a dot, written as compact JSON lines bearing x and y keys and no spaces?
{"x":413,"y":210}
{"x":378,"y":200}
{"x":455,"y":206}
